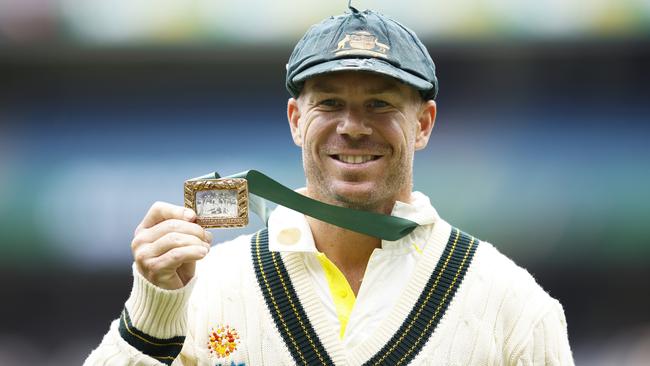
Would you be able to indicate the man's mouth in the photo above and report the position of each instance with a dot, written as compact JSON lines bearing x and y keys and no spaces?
{"x":355,"y":159}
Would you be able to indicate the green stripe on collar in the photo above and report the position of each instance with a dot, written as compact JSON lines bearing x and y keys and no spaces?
{"x":425,"y":315}
{"x":163,"y":350}
{"x":299,"y":335}
{"x":281,"y":298}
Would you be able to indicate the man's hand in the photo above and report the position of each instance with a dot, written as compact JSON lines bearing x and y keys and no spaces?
{"x":167,"y":244}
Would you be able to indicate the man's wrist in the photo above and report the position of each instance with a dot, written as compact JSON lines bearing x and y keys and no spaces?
{"x":155,"y":311}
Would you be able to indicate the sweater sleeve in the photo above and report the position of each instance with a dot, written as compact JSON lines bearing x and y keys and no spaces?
{"x":547,"y":342}
{"x":151,"y":329}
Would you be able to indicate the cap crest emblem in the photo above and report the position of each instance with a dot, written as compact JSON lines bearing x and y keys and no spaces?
{"x":361,"y":43}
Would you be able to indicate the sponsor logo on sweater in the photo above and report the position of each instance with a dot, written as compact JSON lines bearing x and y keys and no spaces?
{"x":223,"y":341}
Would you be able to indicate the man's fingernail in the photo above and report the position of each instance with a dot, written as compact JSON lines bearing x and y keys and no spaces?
{"x":189,"y":215}
{"x":208,"y":236}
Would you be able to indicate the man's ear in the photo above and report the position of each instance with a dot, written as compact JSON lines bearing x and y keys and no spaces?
{"x":293,"y":115}
{"x":426,"y":121}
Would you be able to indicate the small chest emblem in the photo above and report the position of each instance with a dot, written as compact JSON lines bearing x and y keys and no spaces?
{"x":223,"y":341}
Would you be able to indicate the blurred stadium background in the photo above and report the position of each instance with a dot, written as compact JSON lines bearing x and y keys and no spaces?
{"x":541,"y":146}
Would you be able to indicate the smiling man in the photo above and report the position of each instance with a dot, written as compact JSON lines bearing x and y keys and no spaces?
{"x":309,"y":292}
{"x":358,"y":131}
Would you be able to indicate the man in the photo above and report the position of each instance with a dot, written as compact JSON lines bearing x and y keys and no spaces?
{"x":308,"y":292}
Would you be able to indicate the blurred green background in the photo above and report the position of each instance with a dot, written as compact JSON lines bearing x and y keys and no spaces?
{"x":540,"y":147}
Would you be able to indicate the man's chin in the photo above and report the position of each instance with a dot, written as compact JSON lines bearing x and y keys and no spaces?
{"x":353,"y":202}
{"x":357,"y":196}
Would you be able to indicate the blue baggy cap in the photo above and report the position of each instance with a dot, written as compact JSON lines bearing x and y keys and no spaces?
{"x":362,"y":41}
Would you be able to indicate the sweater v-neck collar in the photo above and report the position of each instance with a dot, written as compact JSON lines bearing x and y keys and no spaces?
{"x":327,"y":333}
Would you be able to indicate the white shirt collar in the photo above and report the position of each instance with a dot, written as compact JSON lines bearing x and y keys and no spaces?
{"x":290,"y":232}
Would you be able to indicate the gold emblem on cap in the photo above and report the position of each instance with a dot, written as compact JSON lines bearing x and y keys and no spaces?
{"x":361,"y":43}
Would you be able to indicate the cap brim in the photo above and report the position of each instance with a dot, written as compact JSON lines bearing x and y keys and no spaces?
{"x":372,"y":65}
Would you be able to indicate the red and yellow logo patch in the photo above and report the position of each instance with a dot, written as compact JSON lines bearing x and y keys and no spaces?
{"x":223,"y":341}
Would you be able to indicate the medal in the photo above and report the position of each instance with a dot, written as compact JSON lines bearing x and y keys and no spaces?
{"x":218,"y":203}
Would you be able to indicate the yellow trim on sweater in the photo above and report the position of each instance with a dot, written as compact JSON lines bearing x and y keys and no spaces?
{"x":340,"y":289}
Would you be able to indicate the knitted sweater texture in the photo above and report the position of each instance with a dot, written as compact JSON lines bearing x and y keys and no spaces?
{"x":498,"y":316}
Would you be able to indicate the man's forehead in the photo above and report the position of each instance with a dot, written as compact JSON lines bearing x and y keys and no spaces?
{"x":362,"y":81}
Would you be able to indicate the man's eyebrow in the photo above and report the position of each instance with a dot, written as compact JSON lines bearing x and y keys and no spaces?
{"x":324,"y":87}
{"x":387,"y":87}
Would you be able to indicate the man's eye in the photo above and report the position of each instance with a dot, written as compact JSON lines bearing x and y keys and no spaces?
{"x":378,"y":104}
{"x":332,"y":103}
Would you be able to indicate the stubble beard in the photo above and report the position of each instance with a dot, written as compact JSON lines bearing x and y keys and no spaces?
{"x":381,"y":199}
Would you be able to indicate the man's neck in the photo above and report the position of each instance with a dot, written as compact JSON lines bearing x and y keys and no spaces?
{"x":348,"y":250}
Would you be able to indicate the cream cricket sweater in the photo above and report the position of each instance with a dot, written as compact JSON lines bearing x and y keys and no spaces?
{"x":499,"y":315}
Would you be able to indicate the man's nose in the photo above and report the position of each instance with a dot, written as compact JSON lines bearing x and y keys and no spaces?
{"x":354,"y":124}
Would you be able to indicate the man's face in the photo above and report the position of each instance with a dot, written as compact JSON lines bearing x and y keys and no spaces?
{"x":358,"y":132}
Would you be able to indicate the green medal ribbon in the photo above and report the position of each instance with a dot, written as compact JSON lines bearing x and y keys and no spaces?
{"x":370,"y":223}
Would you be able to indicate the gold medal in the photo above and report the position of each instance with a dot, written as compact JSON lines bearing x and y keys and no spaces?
{"x":218,"y":203}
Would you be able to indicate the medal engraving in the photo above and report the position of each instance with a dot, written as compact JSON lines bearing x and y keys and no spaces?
{"x":218,"y":203}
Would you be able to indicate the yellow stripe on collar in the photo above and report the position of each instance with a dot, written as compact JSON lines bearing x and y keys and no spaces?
{"x":341,"y":291}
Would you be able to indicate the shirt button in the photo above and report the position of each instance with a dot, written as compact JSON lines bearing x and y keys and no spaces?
{"x":343,"y":294}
